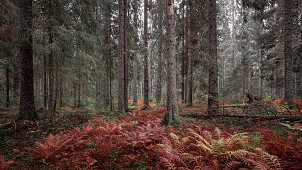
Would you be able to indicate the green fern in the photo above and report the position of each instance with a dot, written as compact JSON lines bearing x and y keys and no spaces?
{"x":206,"y":149}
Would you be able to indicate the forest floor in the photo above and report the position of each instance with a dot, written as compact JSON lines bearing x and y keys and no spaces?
{"x":88,"y":138}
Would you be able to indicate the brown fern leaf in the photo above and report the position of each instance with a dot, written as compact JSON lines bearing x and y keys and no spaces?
{"x":233,"y":165}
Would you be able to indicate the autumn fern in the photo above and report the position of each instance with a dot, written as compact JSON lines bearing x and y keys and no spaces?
{"x":215,"y":150}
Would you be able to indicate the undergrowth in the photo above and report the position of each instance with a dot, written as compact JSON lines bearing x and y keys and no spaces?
{"x":138,"y":141}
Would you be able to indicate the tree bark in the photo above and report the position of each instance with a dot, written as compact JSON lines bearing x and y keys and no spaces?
{"x":7,"y":86}
{"x":125,"y":56}
{"x":171,"y":115}
{"x":75,"y":95}
{"x":159,"y":68}
{"x":61,"y":91}
{"x":159,"y":74}
{"x":135,"y":80}
{"x":183,"y":58}
{"x":51,"y":77}
{"x":45,"y":79}
{"x":27,"y":97}
{"x":187,"y":30}
{"x":299,"y":84}
{"x":108,"y":54}
{"x":50,"y":65}
{"x":121,"y":70}
{"x":146,"y":63}
{"x":213,"y":70}
{"x":191,"y":42}
{"x":57,"y":86}
{"x":288,"y":58}
{"x":135,"y":62}
{"x":260,"y":73}
{"x":16,"y":83}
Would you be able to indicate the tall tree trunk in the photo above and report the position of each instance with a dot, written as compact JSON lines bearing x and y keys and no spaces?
{"x":121,"y":74}
{"x":16,"y":84}
{"x":191,"y":35}
{"x":171,"y":115}
{"x":108,"y":54}
{"x":50,"y":65}
{"x":57,"y":86}
{"x":233,"y":33}
{"x":61,"y":91}
{"x":75,"y":95}
{"x":187,"y":30}
{"x":159,"y":73}
{"x":125,"y":56}
{"x":97,"y":88}
{"x":51,"y":77}
{"x":159,"y":68}
{"x":110,"y":86}
{"x":183,"y":57}
{"x":27,"y":97}
{"x":135,"y":80}
{"x":45,"y":80}
{"x":7,"y":86}
{"x":299,"y":84}
{"x":233,"y":45}
{"x":79,"y":89}
{"x":260,"y":73}
{"x":288,"y":58}
{"x":146,"y":63}
{"x":135,"y":11}
{"x":213,"y":70}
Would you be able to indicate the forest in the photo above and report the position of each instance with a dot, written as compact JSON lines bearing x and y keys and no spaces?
{"x":151,"y":84}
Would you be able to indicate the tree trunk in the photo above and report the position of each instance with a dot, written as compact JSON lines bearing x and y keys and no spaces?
{"x":16,"y":84}
{"x":135,"y":79}
{"x":171,"y":115}
{"x":183,"y":58}
{"x":7,"y":86}
{"x":57,"y":86}
{"x":79,"y":90}
{"x":75,"y":95}
{"x":299,"y":84}
{"x":27,"y":97}
{"x":50,"y":65}
{"x":121,"y":70}
{"x":51,"y":77}
{"x":159,"y":73}
{"x":260,"y":73}
{"x":45,"y":80}
{"x":135,"y":64}
{"x":191,"y":35}
{"x":146,"y":63}
{"x":213,"y":70}
{"x":108,"y":54}
{"x":187,"y":51}
{"x":110,"y":86}
{"x":288,"y":61}
{"x":125,"y":56}
{"x":233,"y":45}
{"x":159,"y":68}
{"x":61,"y":92}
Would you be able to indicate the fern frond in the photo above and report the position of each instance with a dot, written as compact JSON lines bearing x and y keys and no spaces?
{"x":233,"y":165}
{"x":198,"y":137}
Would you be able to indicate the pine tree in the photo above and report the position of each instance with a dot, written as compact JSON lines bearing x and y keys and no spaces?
{"x":27,"y":101}
{"x":171,"y":115}
{"x":213,"y":70}
{"x":146,"y":60}
{"x":288,"y":59}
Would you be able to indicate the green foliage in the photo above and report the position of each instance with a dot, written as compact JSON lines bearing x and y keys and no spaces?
{"x":217,"y":150}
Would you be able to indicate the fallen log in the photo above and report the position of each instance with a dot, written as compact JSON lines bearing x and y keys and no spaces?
{"x":258,"y":117}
